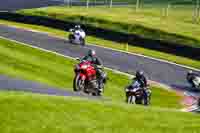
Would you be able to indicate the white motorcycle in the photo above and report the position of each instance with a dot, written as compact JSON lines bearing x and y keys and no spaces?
{"x":77,"y":37}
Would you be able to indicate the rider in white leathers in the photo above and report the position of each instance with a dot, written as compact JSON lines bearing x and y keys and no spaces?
{"x":79,"y":32}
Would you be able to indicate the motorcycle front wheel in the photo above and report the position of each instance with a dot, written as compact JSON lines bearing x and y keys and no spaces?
{"x":78,"y":83}
{"x":131,"y":99}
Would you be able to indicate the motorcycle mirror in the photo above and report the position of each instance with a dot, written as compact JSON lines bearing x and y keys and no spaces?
{"x":78,"y":59}
{"x":131,"y":77}
{"x":99,"y":66}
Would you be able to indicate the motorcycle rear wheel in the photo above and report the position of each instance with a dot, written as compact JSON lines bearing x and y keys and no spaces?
{"x":70,"y":38}
{"x":82,"y":41}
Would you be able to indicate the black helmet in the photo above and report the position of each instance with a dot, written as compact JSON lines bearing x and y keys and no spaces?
{"x":139,"y":74}
{"x":91,"y":52}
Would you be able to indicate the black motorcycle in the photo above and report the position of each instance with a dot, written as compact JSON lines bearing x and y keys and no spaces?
{"x":136,"y":95}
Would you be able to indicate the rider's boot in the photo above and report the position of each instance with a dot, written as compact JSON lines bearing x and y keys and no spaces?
{"x":145,"y":97}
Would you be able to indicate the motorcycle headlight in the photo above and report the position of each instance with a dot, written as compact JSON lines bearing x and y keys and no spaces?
{"x":84,"y":66}
{"x":127,"y":90}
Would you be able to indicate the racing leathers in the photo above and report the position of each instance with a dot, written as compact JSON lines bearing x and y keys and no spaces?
{"x":143,"y":85}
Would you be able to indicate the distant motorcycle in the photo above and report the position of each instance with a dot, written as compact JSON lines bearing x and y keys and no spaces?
{"x":135,"y":95}
{"x":77,"y":37}
{"x":195,"y":82}
{"x":86,"y":79}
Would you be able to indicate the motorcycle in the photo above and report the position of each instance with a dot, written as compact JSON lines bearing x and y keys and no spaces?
{"x":77,"y":37}
{"x":195,"y":82}
{"x":135,"y":95}
{"x":195,"y":106}
{"x":86,"y":79}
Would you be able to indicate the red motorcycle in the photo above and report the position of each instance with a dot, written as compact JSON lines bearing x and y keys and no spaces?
{"x":85,"y":78}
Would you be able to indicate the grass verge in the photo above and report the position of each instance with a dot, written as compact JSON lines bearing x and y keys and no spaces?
{"x":110,"y":44}
{"x":33,"y":64}
{"x":31,"y":113}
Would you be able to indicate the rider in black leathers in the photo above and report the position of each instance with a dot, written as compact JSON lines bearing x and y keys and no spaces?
{"x":143,"y":84}
{"x":141,"y":79}
{"x":191,"y":76}
{"x":91,"y":56}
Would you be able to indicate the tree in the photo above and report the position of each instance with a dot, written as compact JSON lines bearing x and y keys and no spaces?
{"x":137,"y":5}
{"x":111,"y":3}
{"x":87,"y":3}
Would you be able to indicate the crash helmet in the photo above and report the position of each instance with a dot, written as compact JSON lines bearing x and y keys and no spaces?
{"x":139,"y":74}
{"x":91,"y":52}
{"x":190,"y":72}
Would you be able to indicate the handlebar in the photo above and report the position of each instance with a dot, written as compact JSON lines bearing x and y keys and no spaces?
{"x":71,"y":30}
{"x":99,"y":66}
{"x":94,"y":65}
{"x":78,"y":59}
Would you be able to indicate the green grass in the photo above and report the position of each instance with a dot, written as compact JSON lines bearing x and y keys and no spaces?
{"x":149,"y":21}
{"x":110,"y":44}
{"x":31,"y":113}
{"x":32,"y":64}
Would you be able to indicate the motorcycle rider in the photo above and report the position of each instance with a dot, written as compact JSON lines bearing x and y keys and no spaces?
{"x":191,"y":76}
{"x":79,"y":31}
{"x":143,"y":84}
{"x":98,"y":64}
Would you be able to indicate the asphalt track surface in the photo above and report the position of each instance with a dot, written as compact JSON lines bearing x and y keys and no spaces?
{"x":20,"y":85}
{"x":162,"y":72}
{"x":13,"y":84}
{"x":11,"y":5}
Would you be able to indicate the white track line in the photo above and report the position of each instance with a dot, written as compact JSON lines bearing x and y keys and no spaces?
{"x":115,"y":71}
{"x":49,"y":51}
{"x":140,"y":55}
{"x":152,"y":58}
